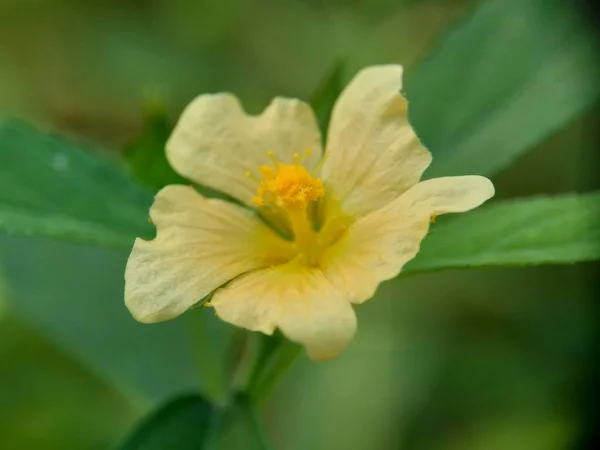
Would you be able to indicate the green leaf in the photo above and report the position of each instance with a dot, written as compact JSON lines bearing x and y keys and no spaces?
{"x":543,"y":230}
{"x":44,"y":386}
{"x":50,"y":188}
{"x":53,"y":189}
{"x":145,"y":156}
{"x":182,"y":424}
{"x":324,"y":97}
{"x":73,"y":295}
{"x":502,"y":81}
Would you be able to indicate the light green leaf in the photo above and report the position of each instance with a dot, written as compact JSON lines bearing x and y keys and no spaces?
{"x":502,"y":81}
{"x":50,"y":188}
{"x":543,"y":230}
{"x":182,"y":424}
{"x":53,"y":189}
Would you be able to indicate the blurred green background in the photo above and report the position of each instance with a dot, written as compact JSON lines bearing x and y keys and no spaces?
{"x":486,"y":359}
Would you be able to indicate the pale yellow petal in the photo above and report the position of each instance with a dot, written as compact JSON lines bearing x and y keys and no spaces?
{"x":297,"y":299}
{"x":373,"y":154}
{"x":376,"y":247}
{"x":215,"y":142}
{"x":200,"y":244}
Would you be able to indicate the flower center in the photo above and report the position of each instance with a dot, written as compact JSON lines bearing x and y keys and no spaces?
{"x":289,"y":189}
{"x":288,"y":186}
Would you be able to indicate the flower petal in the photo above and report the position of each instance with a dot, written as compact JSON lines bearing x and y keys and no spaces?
{"x":373,"y":154}
{"x":215,"y":143}
{"x":297,"y":299}
{"x":200,"y":245}
{"x":376,"y":247}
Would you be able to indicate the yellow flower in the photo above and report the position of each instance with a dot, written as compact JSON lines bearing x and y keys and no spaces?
{"x":316,"y":234}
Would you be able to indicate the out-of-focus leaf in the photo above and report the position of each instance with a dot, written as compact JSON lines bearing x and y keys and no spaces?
{"x":502,"y":81}
{"x":182,"y":424}
{"x":145,"y":156}
{"x":50,"y":188}
{"x":517,"y":433}
{"x":541,"y":230}
{"x":73,"y":295}
{"x":326,"y":94}
{"x":48,"y":401}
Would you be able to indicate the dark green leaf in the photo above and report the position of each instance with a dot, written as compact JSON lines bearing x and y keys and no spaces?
{"x":540,"y":230}
{"x":182,"y":424}
{"x":50,"y":188}
{"x":501,"y":82}
{"x":326,"y":94}
{"x":145,"y":156}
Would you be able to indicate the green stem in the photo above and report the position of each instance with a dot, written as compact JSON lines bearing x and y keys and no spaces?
{"x":275,"y":358}
{"x":268,"y":346}
{"x":249,"y":413}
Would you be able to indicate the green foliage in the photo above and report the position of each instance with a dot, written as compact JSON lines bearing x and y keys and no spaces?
{"x":326,"y":94}
{"x":502,"y":81}
{"x":541,"y":230}
{"x":145,"y":156}
{"x":49,"y":401}
{"x":73,"y":295}
{"x":50,"y":188}
{"x":75,"y":196}
{"x":182,"y":424}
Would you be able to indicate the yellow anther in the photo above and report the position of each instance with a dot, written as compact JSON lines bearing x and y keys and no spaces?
{"x":271,"y":154}
{"x":267,"y":172}
{"x":320,"y":164}
{"x":287,"y":186}
{"x":250,"y":175}
{"x":258,"y":201}
{"x":432,"y":219}
{"x":306,"y":154}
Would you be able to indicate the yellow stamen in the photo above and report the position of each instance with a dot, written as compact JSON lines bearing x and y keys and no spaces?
{"x":287,"y":190}
{"x":271,"y":154}
{"x":250,"y":175}
{"x":319,"y":164}
{"x":287,"y":186}
{"x":432,"y":219}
